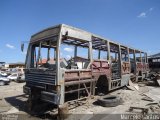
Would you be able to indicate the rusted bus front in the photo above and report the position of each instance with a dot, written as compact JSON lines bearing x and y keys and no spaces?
{"x":41,"y":83}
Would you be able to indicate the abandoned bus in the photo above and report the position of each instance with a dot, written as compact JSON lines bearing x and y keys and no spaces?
{"x":64,"y":63}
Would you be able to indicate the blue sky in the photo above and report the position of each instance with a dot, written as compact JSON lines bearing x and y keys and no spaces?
{"x":132,"y":22}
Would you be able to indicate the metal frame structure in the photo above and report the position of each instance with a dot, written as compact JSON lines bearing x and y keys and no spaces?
{"x":100,"y":75}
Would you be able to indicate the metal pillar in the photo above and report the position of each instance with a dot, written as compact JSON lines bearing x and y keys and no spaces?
{"x":120,"y":58}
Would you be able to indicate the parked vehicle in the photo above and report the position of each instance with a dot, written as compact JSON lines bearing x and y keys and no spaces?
{"x":13,"y":76}
{"x":21,"y":78}
{"x":3,"y":73}
{"x":107,"y":66}
{"x":4,"y":80}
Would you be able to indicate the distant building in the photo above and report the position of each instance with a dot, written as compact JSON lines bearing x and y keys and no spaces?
{"x":2,"y":64}
{"x":15,"y":65}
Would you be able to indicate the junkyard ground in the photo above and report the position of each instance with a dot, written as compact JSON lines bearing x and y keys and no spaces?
{"x":13,"y":101}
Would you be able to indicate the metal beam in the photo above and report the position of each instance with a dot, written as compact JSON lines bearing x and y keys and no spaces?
{"x":120,"y":58}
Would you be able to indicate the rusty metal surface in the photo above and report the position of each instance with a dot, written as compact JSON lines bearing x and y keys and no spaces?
{"x":99,"y":67}
{"x":125,"y":67}
{"x":74,"y":75}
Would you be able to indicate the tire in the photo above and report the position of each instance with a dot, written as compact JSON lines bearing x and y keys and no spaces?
{"x":110,"y":101}
{"x":2,"y":83}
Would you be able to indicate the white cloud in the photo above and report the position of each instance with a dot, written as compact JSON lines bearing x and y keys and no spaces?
{"x":10,"y":46}
{"x":150,"y":9}
{"x":145,"y":13}
{"x":68,"y":49}
{"x":142,"y":15}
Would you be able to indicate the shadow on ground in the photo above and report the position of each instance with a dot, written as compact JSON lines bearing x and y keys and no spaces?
{"x":40,"y":111}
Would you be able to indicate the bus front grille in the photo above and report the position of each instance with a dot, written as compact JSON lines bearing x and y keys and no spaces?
{"x":40,"y":78}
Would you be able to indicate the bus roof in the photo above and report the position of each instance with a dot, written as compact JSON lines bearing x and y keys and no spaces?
{"x":72,"y":32}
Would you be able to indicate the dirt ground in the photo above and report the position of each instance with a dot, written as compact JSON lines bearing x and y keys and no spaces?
{"x":13,"y":101}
